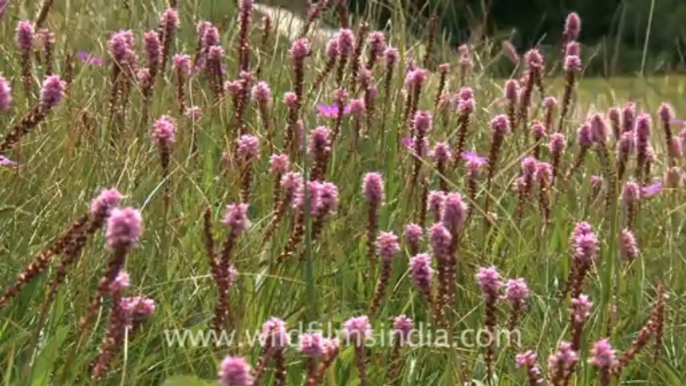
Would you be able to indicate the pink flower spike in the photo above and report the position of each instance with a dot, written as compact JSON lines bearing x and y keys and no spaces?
{"x":275,"y":334}
{"x":534,"y":59}
{"x":422,"y":122}
{"x":300,"y":50}
{"x":312,"y":345}
{"x":414,"y":234}
{"x":373,"y":188}
{"x":442,"y":152}
{"x":581,"y":308}
{"x":402,"y":326}
{"x":52,"y":92}
{"x":572,"y":63}
{"x":236,"y":218}
{"x":572,"y":26}
{"x":500,"y":125}
{"x":631,"y":192}
{"x":139,"y":308}
{"x":511,"y":90}
{"x":5,"y":94}
{"x":279,"y":163}
{"x":489,"y":282}
{"x":182,"y":64}
{"x":454,"y":213}
{"x":164,"y":130}
{"x":420,"y":267}
{"x":573,"y":49}
{"x":235,"y":371}
{"x":262,"y":93}
{"x":248,"y":147}
{"x":105,"y":202}
{"x":120,"y":283}
{"x":602,"y":355}
{"x":628,"y":245}
{"x":124,"y":228}
{"x":290,"y":99}
{"x":25,"y":35}
{"x":387,"y":245}
{"x":357,"y":329}
{"x":346,"y":41}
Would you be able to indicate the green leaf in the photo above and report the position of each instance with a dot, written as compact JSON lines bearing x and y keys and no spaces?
{"x":43,"y":366}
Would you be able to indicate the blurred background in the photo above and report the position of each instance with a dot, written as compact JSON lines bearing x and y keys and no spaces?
{"x":614,"y":32}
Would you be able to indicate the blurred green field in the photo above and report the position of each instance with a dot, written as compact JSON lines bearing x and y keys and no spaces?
{"x":68,"y":159}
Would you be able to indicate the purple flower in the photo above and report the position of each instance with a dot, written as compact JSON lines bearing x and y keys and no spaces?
{"x":387,"y":245}
{"x":516,"y":291}
{"x":120,"y":45}
{"x":6,"y":162}
{"x":631,"y":192}
{"x":236,"y":218}
{"x":373,"y":188}
{"x":422,"y":122}
{"x":628,"y":245}
{"x":572,"y":49}
{"x":599,"y":128}
{"x":193,"y":113}
{"x":651,"y":190}
{"x":279,"y":163}
{"x":169,"y":18}
{"x":346,"y":41}
{"x":534,"y":59}
{"x":585,"y":135}
{"x":182,"y":63}
{"x":526,"y":359}
{"x":666,"y":113}
{"x":435,"y":201}
{"x":489,"y":282}
{"x":313,"y":196}
{"x":235,"y":371}
{"x":164,"y":130}
{"x":572,"y":26}
{"x":602,"y":354}
{"x":500,"y":125}
{"x":5,"y":94}
{"x":331,"y":111}
{"x":153,"y":48}
{"x":105,"y":202}
{"x":248,"y":147}
{"x":25,"y":36}
{"x":564,"y":358}
{"x":391,"y":56}
{"x":454,"y":213}
{"x":473,"y":161}
{"x":320,"y":142}
{"x":120,"y":283}
{"x":275,"y":334}
{"x":312,"y":345}
{"x":328,"y":198}
{"x":332,"y":50}
{"x":402,"y":326}
{"x":377,"y":42}
{"x":581,"y":308}
{"x":291,"y":182}
{"x":356,"y":106}
{"x":139,"y":308}
{"x":511,"y":89}
{"x":290,"y":99}
{"x":420,"y":267}
{"x":572,"y":63}
{"x":440,"y":241}
{"x":299,"y":50}
{"x":357,"y":328}
{"x":442,"y":152}
{"x":414,"y":234}
{"x":124,"y":228}
{"x":87,"y":58}
{"x":416,"y":77}
{"x":52,"y":92}
{"x":262,"y":93}
{"x":557,"y":143}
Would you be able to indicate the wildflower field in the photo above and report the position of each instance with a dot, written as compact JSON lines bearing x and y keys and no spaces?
{"x":189,"y":197}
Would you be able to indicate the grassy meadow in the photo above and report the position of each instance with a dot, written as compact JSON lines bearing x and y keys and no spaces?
{"x":78,"y":149}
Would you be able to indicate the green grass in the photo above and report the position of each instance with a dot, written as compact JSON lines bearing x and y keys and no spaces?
{"x":69,"y":158}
